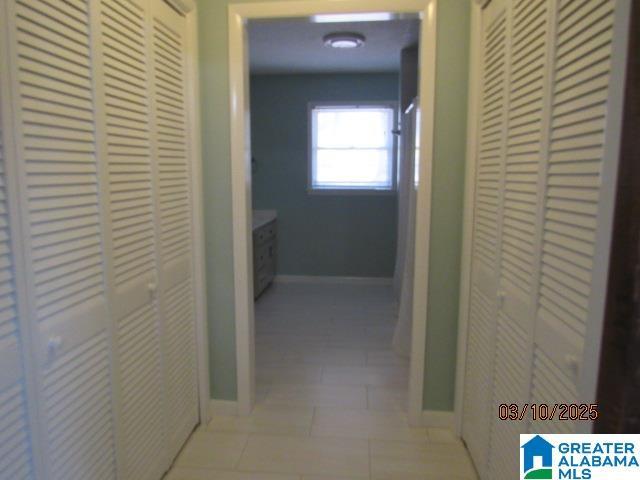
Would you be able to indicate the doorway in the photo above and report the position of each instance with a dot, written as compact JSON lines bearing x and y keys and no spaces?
{"x":241,"y":183}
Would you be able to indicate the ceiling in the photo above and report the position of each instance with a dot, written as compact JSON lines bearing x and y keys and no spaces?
{"x":296,"y":46}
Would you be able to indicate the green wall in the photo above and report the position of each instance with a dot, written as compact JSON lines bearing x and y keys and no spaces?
{"x":453,"y":31}
{"x":447,"y":200}
{"x":333,"y":235}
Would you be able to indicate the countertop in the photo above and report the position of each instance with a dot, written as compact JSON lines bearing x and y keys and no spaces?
{"x":262,"y":217}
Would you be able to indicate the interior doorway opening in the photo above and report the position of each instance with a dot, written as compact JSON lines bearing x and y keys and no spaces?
{"x":244,"y":161}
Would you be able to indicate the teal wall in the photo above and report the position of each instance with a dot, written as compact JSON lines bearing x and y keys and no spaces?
{"x":334,"y":235}
{"x":447,"y":202}
{"x":453,"y":30}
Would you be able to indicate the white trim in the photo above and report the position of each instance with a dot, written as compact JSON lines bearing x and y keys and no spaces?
{"x":438,"y":419}
{"x":238,"y":15}
{"x":467,"y":222}
{"x":199,"y":274}
{"x":241,"y":205}
{"x":226,"y":408}
{"x":352,"y":191}
{"x":427,"y":88}
{"x":323,"y":280}
{"x":307,"y":8}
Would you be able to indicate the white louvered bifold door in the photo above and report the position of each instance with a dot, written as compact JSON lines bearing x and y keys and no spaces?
{"x":486,"y":233}
{"x":100,"y":184}
{"x":57,"y":176}
{"x":171,"y":159}
{"x":124,"y":83}
{"x":581,"y":63}
{"x":524,"y":166}
{"x":539,"y":195}
{"x":16,"y":462}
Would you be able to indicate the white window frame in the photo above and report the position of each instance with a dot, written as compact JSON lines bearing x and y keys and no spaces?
{"x":346,"y":190}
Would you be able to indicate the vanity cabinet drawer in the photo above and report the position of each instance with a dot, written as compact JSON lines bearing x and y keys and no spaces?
{"x":264,"y":255}
{"x":265,"y":233}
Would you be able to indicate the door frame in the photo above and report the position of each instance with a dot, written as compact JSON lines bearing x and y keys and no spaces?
{"x":473,"y":108}
{"x":190,"y":11}
{"x":238,"y":16}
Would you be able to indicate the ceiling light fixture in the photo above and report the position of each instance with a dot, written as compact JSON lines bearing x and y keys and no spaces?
{"x":344,"y":40}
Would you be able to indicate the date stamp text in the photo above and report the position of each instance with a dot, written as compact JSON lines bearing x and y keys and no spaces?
{"x":542,"y":411}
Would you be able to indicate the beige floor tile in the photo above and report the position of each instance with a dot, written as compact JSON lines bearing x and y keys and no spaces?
{"x":442,"y":435}
{"x":261,"y":393}
{"x":289,"y":340}
{"x":212,"y":450}
{"x":328,"y":356}
{"x":327,"y":348}
{"x":331,"y":477}
{"x":305,"y":455}
{"x":374,"y":376}
{"x":387,"y":398}
{"x":271,"y":419}
{"x":288,"y":374}
{"x":318,"y":395}
{"x":348,"y":331}
{"x":339,"y":341}
{"x":419,"y":461}
{"x":295,"y":349}
{"x":266,"y":355}
{"x":385,"y":358}
{"x":208,"y":474}
{"x":362,"y":423}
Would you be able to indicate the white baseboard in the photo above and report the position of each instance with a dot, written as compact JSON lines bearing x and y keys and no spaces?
{"x":223,"y":407}
{"x":438,"y":419}
{"x":328,"y":279}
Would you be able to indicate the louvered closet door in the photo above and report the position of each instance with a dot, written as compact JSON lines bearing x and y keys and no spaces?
{"x":478,"y":397}
{"x":581,"y":63}
{"x":15,"y":438}
{"x":61,"y":235}
{"x":541,"y":193}
{"x":171,"y":160}
{"x":121,"y":44}
{"x":528,"y":74}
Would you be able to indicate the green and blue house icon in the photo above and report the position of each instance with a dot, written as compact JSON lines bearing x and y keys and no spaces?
{"x":537,"y":447}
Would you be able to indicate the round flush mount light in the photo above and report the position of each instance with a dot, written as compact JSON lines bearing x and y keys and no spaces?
{"x":344,"y":40}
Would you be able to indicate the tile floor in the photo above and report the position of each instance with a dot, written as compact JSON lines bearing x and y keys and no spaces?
{"x":331,"y":399}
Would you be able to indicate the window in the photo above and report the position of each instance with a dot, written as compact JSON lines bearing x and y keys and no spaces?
{"x":352,"y":147}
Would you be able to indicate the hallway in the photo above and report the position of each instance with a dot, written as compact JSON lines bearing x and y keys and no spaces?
{"x":331,"y":398}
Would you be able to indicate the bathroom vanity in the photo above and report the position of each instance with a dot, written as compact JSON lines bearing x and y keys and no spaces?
{"x":264,"y":249}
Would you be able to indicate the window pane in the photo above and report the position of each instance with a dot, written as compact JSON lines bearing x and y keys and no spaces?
{"x":353,"y":168}
{"x":353,"y":128}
